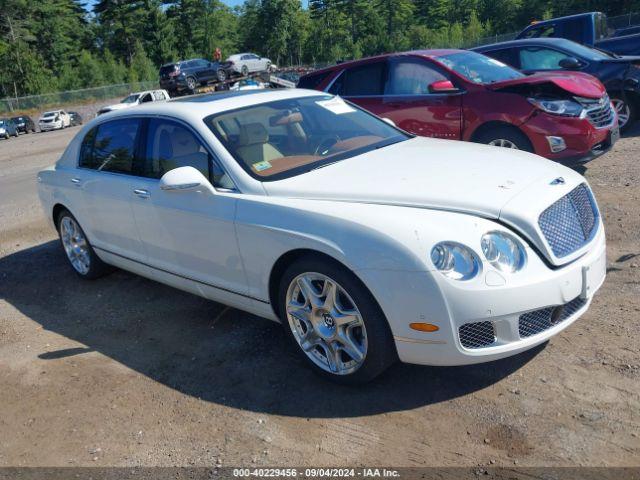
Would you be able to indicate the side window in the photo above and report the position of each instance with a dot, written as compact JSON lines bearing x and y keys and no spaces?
{"x":312,"y":81}
{"x":337,"y":87}
{"x":364,"y":80}
{"x":505,"y":56}
{"x":411,"y":77}
{"x":542,"y":31}
{"x":146,"y":98}
{"x":171,"y":145}
{"x":534,"y":58}
{"x":86,"y":150}
{"x":114,"y":146}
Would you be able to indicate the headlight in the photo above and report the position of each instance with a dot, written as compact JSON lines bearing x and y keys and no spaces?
{"x":503,"y":251}
{"x":455,"y":261}
{"x":567,"y":108}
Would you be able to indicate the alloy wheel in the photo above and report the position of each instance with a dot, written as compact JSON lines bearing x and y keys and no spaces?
{"x":191,"y":83}
{"x":75,"y":245}
{"x":326,"y":323}
{"x":623,"y":111}
{"x":503,"y":142}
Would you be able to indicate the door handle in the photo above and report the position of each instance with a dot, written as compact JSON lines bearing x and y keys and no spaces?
{"x":76,"y":181}
{"x":141,"y":193}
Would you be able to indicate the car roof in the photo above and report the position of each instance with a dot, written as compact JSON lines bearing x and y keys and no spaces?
{"x":558,"y":42}
{"x":432,"y":53}
{"x":206,"y":104}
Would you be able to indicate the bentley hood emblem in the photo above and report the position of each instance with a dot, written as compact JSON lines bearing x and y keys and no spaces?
{"x":557,"y":181}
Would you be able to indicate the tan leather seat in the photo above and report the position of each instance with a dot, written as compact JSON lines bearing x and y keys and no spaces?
{"x":184,"y":150}
{"x":253,"y":146}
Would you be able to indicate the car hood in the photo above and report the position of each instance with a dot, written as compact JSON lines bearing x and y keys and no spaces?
{"x":508,"y":185}
{"x":576,"y":83}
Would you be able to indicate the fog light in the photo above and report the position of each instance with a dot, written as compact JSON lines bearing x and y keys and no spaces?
{"x":556,"y":144}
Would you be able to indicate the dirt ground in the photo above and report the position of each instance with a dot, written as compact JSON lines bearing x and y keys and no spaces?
{"x":124,"y":371}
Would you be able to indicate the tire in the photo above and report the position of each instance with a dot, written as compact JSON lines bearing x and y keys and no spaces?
{"x":244,"y":70}
{"x":191,"y":83}
{"x":221,"y":75}
{"x":82,"y":258}
{"x":507,"y":137}
{"x":268,"y":69}
{"x":366,"y":333}
{"x":625,"y":109}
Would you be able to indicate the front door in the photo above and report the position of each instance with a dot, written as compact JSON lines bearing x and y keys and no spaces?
{"x":411,"y":105}
{"x":190,"y":233}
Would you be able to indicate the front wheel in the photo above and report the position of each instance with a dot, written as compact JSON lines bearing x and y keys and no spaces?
{"x":626,"y":111}
{"x":191,"y":83}
{"x":334,"y":322}
{"x":506,"y":137}
{"x":221,"y":74}
{"x":80,"y":253}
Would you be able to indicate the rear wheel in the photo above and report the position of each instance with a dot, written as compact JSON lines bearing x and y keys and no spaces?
{"x":506,"y":137}
{"x":334,"y":322}
{"x":81,"y":256}
{"x":244,"y":70}
{"x":221,"y":74}
{"x":626,"y":111}
{"x":191,"y":83}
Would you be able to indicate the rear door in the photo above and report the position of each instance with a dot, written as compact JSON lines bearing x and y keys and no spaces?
{"x":106,"y":175}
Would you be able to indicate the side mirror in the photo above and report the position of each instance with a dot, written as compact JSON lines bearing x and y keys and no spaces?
{"x":183,"y":179}
{"x":389,"y":121}
{"x":443,"y":86}
{"x":570,"y":63}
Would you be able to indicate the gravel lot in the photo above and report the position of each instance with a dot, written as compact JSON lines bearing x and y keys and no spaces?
{"x":124,"y":371}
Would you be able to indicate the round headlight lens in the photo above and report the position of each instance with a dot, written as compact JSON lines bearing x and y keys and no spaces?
{"x":503,"y":251}
{"x":455,"y":261}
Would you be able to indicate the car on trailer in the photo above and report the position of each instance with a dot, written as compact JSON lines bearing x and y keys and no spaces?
{"x":186,"y":76}
{"x":246,"y":63}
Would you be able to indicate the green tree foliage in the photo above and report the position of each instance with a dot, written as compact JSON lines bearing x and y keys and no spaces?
{"x":52,"y":45}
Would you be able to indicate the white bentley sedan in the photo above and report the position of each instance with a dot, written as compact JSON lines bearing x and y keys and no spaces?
{"x":368,"y":244}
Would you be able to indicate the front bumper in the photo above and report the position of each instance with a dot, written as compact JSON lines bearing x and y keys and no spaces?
{"x":584,"y":141}
{"x":499,"y":299}
{"x":50,"y":126}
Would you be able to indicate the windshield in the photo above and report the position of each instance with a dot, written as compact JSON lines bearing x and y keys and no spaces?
{"x":131,"y":98}
{"x":288,"y":137}
{"x":50,"y":114}
{"x":477,"y":68}
{"x":2,"y":122}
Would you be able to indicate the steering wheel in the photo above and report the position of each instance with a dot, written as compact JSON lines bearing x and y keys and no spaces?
{"x":327,"y":143}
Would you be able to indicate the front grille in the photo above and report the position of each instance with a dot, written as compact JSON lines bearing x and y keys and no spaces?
{"x":570,"y":222}
{"x":477,"y":335}
{"x":599,"y":111}
{"x":532,"y":323}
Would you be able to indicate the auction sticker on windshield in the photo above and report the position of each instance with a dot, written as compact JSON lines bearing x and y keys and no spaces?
{"x":336,"y":105}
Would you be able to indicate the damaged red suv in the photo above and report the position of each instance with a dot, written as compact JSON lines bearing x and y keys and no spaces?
{"x":462,"y":95}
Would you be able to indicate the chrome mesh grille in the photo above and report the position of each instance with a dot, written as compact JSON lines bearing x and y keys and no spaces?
{"x":599,"y":111}
{"x":477,"y":335}
{"x":570,"y":222}
{"x":532,"y":323}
